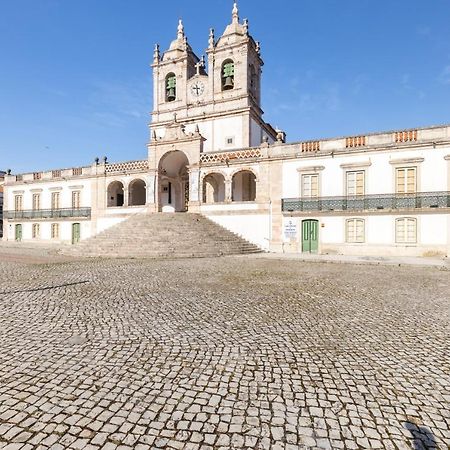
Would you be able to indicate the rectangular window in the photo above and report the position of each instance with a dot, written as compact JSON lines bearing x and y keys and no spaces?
{"x":229,"y":140}
{"x":36,"y":201}
{"x":405,"y":180}
{"x":36,"y":231}
{"x":355,"y":183}
{"x":76,"y":199}
{"x":310,"y":185}
{"x":55,"y":230}
{"x":55,"y":200}
{"x":354,"y":230}
{"x":18,"y":202}
{"x":406,"y":230}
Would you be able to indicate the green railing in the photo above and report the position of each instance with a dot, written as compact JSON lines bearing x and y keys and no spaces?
{"x":376,"y":202}
{"x":61,"y":213}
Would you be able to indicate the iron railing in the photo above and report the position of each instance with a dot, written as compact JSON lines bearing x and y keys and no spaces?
{"x":376,"y":202}
{"x":60,"y":213}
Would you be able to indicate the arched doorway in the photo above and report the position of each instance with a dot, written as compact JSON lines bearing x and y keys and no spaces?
{"x":214,"y":188}
{"x":137,"y":193}
{"x":173,"y":182}
{"x":244,"y":186}
{"x":115,"y":194}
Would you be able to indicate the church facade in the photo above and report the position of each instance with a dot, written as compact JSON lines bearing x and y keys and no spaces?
{"x":211,"y":152}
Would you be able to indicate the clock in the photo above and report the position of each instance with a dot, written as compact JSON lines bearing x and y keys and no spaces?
{"x":197,"y":89}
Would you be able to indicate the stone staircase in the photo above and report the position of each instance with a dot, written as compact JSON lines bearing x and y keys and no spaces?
{"x":161,"y":235}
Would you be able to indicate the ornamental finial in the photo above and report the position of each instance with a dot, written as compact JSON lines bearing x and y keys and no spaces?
{"x":246,"y":26}
{"x":180,"y":29}
{"x":235,"y":13}
{"x":211,"y":38}
{"x":156,"y":54}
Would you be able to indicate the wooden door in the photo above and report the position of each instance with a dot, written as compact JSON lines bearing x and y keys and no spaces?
{"x":310,"y":236}
{"x":75,"y":233}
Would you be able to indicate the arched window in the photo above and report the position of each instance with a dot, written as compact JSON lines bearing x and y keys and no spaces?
{"x":137,"y":193}
{"x":253,"y":80}
{"x":171,"y":87}
{"x":227,"y":75}
{"x":244,"y":186}
{"x":115,"y":194}
{"x":214,"y":188}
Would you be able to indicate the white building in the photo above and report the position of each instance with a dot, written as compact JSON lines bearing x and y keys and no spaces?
{"x":212,"y":153}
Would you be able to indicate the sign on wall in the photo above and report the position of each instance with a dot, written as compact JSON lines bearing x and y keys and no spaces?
{"x":290,"y":229}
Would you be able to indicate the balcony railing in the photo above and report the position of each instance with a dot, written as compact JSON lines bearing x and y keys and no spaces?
{"x":377,"y":202}
{"x":61,"y":213}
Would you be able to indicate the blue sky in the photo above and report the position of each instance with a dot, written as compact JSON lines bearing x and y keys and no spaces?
{"x":75,"y":81}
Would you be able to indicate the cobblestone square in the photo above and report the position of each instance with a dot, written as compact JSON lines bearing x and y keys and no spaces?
{"x":223,"y":353}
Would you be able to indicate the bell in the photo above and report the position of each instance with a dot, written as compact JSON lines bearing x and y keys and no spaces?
{"x":229,"y":83}
{"x":171,"y":94}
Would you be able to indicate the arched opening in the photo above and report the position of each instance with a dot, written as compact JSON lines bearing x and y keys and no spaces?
{"x":137,"y":193}
{"x":253,"y":80}
{"x":171,"y":87}
{"x":173,"y":182}
{"x":244,"y":186}
{"x":115,"y":194}
{"x":227,"y":75}
{"x":214,"y":188}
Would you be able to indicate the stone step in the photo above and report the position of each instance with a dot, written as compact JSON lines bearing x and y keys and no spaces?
{"x":164,"y":235}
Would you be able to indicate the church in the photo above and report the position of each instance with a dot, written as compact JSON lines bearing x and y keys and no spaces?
{"x":211,"y":153}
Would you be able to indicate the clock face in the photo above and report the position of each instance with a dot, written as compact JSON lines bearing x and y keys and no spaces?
{"x":197,"y":89}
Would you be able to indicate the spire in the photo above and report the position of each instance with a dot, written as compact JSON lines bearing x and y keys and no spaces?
{"x":180,"y":29}
{"x":235,"y":13}
{"x":156,"y":54}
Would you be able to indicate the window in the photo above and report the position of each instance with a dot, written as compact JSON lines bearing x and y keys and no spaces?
{"x":228,"y":75}
{"x":36,"y":201}
{"x":55,"y":200}
{"x":354,"y":230}
{"x":76,"y":199}
{"x":406,"y":230}
{"x":229,"y":140}
{"x":171,"y":87}
{"x":55,"y":230}
{"x":310,"y":185}
{"x":406,"y":180}
{"x":18,"y":202}
{"x":355,"y":183}
{"x":36,"y":231}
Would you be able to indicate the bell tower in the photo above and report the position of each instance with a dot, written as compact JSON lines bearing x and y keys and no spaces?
{"x":219,"y":97}
{"x":171,"y":73}
{"x":235,"y":63}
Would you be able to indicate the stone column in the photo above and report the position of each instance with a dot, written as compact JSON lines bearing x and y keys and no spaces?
{"x":125,"y":196}
{"x":152,"y":189}
{"x":228,"y":191}
{"x":194,"y":194}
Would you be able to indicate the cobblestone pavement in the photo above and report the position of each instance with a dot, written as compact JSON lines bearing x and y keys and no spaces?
{"x":223,"y":353}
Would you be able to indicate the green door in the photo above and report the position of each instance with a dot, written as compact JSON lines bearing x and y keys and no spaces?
{"x":18,"y":235}
{"x":75,"y":233}
{"x":310,"y":236}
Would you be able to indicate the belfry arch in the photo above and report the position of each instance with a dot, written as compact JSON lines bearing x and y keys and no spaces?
{"x":173,"y":186}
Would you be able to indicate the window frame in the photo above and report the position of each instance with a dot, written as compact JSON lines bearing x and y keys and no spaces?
{"x":303,"y":177}
{"x":354,"y":239}
{"x":36,"y":231}
{"x":355,"y":172}
{"x":54,"y":227}
{"x":36,"y":201}
{"x":18,"y":202}
{"x":405,"y":240}
{"x":406,"y":170}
